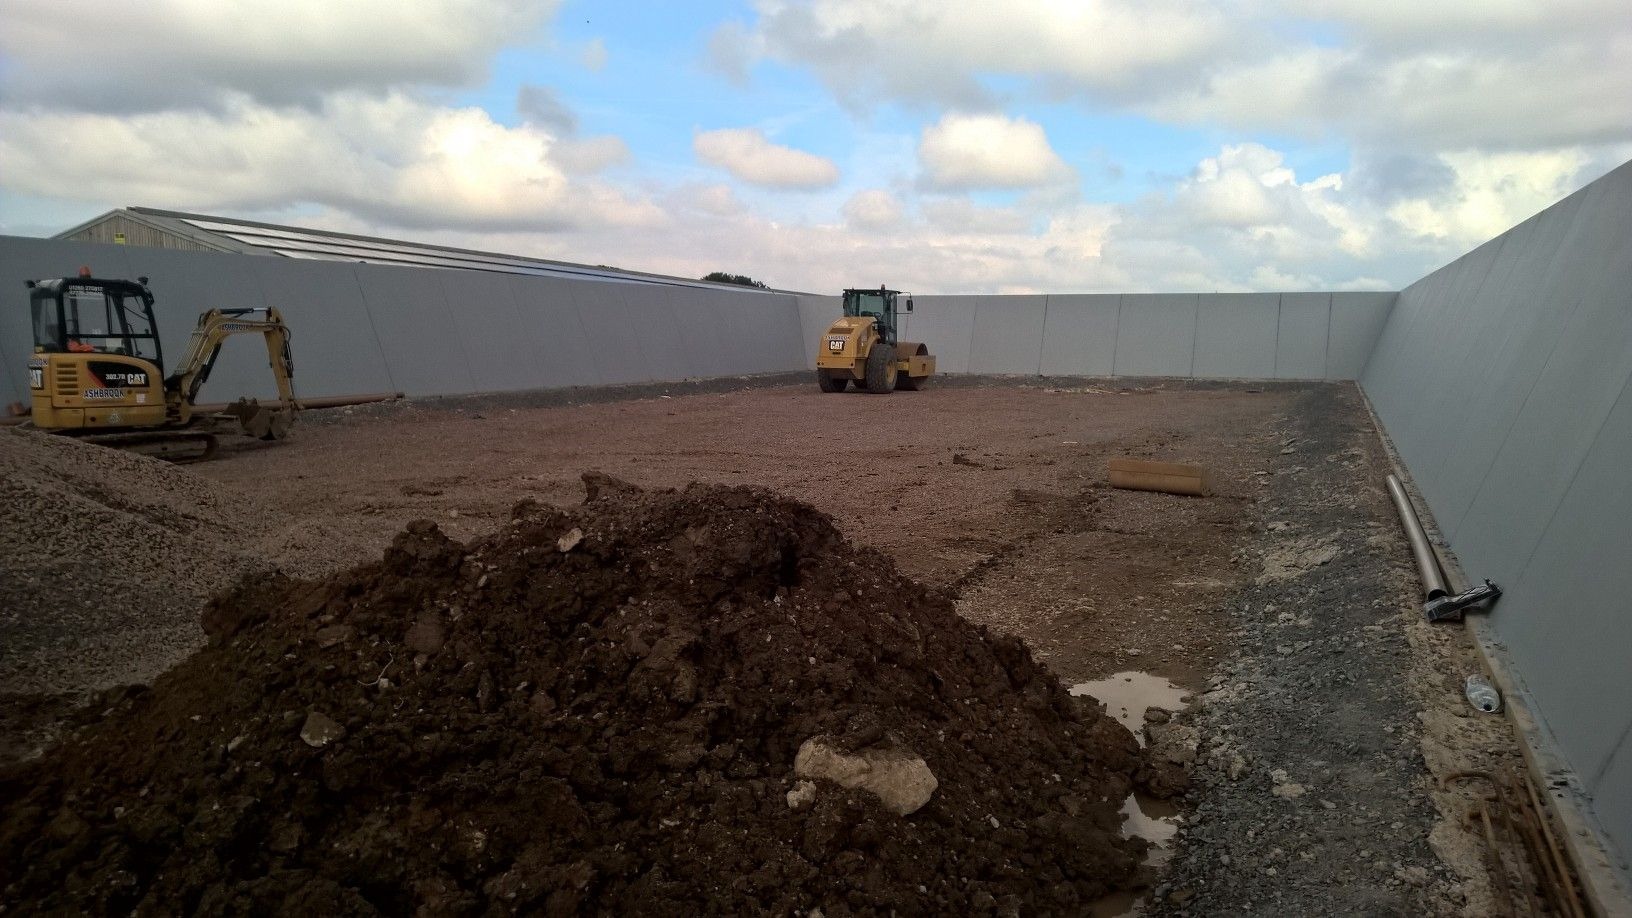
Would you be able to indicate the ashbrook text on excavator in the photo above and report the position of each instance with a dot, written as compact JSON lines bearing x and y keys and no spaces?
{"x":98,"y":370}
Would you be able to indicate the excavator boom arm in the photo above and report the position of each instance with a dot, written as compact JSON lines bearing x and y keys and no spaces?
{"x":214,"y":327}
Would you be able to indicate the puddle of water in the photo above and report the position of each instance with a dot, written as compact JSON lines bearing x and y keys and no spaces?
{"x":1127,"y":696}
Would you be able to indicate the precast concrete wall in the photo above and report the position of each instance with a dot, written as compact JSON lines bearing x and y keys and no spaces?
{"x":1201,"y":336}
{"x":1505,"y":382}
{"x":360,"y":328}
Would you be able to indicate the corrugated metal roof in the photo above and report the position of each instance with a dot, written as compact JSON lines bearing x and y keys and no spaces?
{"x":255,"y":238}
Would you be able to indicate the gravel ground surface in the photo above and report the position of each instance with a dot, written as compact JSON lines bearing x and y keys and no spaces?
{"x":1314,"y":792}
{"x":1285,"y":603}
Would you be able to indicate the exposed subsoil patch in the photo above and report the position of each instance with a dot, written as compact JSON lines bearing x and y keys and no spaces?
{"x":594,"y":709}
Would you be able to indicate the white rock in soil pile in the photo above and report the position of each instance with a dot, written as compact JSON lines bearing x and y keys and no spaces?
{"x":802,"y":796}
{"x":897,"y":777}
{"x":570,"y":541}
{"x":319,"y":730}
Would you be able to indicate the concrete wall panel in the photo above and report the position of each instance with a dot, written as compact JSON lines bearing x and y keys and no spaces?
{"x":412,"y":319}
{"x":1156,"y":334}
{"x":501,"y":349}
{"x":1007,"y":335}
{"x":1357,"y":321}
{"x":604,"y":314}
{"x":1576,"y":593}
{"x":700,"y":321}
{"x":1300,"y":340}
{"x":947,"y":325}
{"x":1235,"y":335}
{"x":816,"y":313}
{"x":333,"y":337}
{"x":547,"y":311}
{"x":766,"y":333}
{"x":649,"y":313}
{"x":1612,"y":791}
{"x":1079,"y":334}
{"x":1505,"y":380}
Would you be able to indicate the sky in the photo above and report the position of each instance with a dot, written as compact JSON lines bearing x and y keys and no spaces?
{"x":1014,"y":147}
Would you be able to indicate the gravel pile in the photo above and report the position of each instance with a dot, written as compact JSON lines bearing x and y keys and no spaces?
{"x":108,"y":557}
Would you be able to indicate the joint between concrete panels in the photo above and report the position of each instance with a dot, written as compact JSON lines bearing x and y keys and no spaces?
{"x":362,"y":298}
{"x":1042,"y":336}
{"x":1275,"y":361}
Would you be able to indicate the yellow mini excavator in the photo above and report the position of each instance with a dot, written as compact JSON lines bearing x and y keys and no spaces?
{"x":97,"y":371}
{"x":862,"y":346}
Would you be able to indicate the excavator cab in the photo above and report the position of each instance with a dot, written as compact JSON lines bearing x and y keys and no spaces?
{"x":88,"y":315}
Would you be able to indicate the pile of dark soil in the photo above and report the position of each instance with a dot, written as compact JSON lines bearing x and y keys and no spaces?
{"x":589,"y":710}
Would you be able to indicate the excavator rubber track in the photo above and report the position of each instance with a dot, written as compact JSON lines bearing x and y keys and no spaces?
{"x":178,"y":446}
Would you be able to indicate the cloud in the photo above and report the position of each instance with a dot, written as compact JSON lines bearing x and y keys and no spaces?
{"x":961,"y":215}
{"x":542,"y":106}
{"x":1488,"y":194}
{"x":1568,"y":93}
{"x":988,"y":151}
{"x":936,"y":52}
{"x":715,"y":200}
{"x":159,"y":54}
{"x":873,"y":209}
{"x":731,"y":52}
{"x":395,"y":160}
{"x":1504,"y":74}
{"x":594,"y":56}
{"x":746,"y":154}
{"x":588,"y":155}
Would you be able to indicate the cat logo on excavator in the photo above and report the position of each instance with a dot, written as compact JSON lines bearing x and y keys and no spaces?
{"x":862,"y":347}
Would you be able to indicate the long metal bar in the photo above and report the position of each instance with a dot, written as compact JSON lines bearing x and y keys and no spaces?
{"x":1433,"y":582}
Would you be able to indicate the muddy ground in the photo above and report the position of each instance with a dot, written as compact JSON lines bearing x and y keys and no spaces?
{"x":1283,"y":604}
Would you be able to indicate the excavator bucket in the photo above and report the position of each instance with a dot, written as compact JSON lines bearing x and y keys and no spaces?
{"x":259,"y":421}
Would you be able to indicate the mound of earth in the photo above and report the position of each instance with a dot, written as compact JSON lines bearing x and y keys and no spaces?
{"x":589,"y":710}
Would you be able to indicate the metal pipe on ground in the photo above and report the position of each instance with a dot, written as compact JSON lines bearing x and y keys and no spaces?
{"x":1433,"y":581}
{"x":327,"y":401}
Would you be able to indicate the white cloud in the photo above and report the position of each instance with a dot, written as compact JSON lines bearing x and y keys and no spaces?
{"x":746,"y":154}
{"x":873,"y":209}
{"x":99,"y":56}
{"x":989,"y":151}
{"x":929,"y":50}
{"x":1490,"y":194}
{"x":543,"y":106}
{"x":1503,"y":74}
{"x":731,"y":52}
{"x":395,"y":160}
{"x":588,"y":155}
{"x":961,"y":215}
{"x":717,"y":200}
{"x":594,"y":56}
